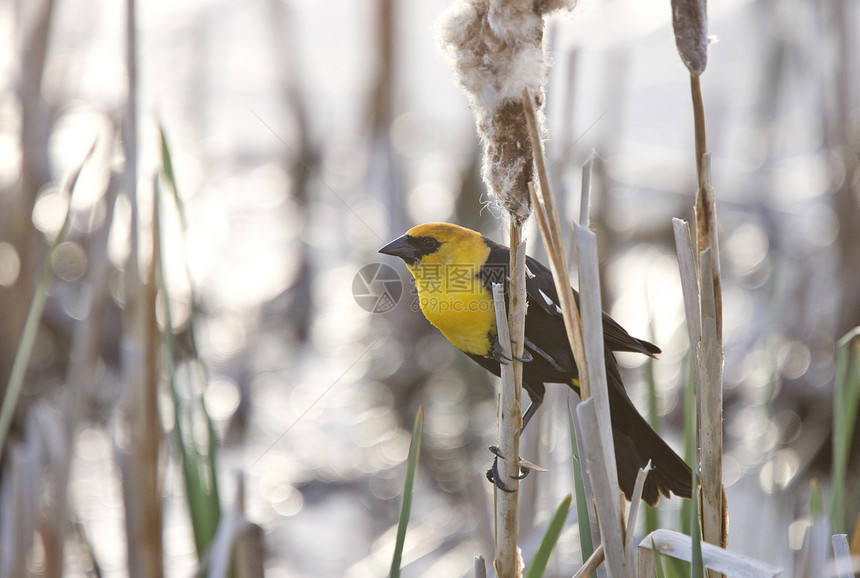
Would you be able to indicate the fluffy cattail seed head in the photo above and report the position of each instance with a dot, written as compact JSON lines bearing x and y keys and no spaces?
{"x":496,"y":50}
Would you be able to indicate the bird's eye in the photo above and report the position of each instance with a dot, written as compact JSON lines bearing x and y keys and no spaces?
{"x":430,"y":244}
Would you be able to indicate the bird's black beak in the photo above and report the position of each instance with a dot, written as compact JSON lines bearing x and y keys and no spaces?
{"x":401,"y":247}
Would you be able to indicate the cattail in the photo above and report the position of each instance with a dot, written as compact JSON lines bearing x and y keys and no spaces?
{"x":690,"y":23}
{"x":496,"y":50}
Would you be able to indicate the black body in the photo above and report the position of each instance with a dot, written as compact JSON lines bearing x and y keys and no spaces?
{"x":552,"y":362}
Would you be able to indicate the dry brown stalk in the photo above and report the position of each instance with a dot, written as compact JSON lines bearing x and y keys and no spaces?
{"x":690,"y":24}
{"x":507,"y":561}
{"x":496,"y":49}
{"x":596,"y":441}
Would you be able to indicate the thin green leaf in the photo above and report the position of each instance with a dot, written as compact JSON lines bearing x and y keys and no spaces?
{"x":193,"y":428}
{"x":406,"y":506}
{"x":586,"y":544}
{"x":658,"y":561}
{"x":34,"y":315}
{"x":553,"y":531}
{"x":690,"y":427}
{"x":816,"y":507}
{"x":188,"y":379}
{"x":690,"y":445}
{"x":676,"y":568}
{"x":697,"y":568}
{"x":167,"y":167}
{"x":651,"y":517}
{"x":169,"y":175}
{"x":845,"y":401}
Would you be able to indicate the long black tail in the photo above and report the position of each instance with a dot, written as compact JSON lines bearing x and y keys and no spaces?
{"x":636,"y":443}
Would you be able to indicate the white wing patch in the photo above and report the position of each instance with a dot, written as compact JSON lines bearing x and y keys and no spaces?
{"x":548,"y":300}
{"x":546,"y":297}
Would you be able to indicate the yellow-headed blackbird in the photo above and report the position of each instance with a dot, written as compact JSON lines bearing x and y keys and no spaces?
{"x":454,"y":269}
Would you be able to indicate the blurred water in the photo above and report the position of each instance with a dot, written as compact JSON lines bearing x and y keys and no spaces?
{"x":328,"y":427}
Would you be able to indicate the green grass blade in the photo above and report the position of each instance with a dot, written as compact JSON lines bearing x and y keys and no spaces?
{"x":689,"y":511}
{"x":406,"y":505}
{"x":586,"y":544}
{"x":167,"y":168}
{"x":34,"y":315}
{"x":658,"y":561}
{"x":816,"y":508}
{"x":675,"y":568}
{"x":651,"y":517}
{"x":845,"y":399}
{"x":170,"y":176}
{"x":197,"y":452}
{"x":690,"y":443}
{"x":690,"y":508}
{"x":25,"y":345}
{"x":193,"y":428}
{"x":697,"y":568}
{"x":539,"y":563}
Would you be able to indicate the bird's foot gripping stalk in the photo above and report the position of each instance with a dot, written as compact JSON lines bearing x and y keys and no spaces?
{"x":500,"y":356}
{"x":495,"y":477}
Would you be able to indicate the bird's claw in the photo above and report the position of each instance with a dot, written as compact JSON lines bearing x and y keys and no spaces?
{"x":527,"y":357}
{"x":495,"y":477}
{"x":504,"y":359}
{"x":499,"y":355}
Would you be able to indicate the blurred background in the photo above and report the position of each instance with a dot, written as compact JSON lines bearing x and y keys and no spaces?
{"x":209,"y":352}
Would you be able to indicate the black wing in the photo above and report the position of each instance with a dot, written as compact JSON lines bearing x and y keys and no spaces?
{"x":544,"y":321}
{"x":552,"y":362}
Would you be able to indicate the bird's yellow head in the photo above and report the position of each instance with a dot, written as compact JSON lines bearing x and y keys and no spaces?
{"x":445,"y":260}
{"x":433,"y":244}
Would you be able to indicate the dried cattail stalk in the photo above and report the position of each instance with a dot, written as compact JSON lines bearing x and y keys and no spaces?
{"x":496,"y":50}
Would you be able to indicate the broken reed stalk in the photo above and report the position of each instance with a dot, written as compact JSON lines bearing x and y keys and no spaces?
{"x":633,"y":514}
{"x":585,"y":197}
{"x":718,"y":560}
{"x":479,"y":568}
{"x":842,"y":559}
{"x":709,"y":356}
{"x":586,"y":337}
{"x":594,"y":412}
{"x":593,"y":562}
{"x":690,"y":23}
